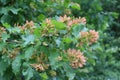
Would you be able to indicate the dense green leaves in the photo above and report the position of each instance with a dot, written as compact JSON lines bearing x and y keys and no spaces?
{"x":69,"y":72}
{"x":28,"y":73}
{"x":5,"y":36}
{"x":16,"y":64}
{"x":28,"y":52}
{"x":75,"y":6}
{"x":53,"y":59}
{"x":28,"y":39}
{"x":67,"y":40}
{"x":3,"y":66}
{"x":33,"y":53}
{"x":2,"y":45}
{"x":59,"y":25}
{"x":44,"y":76}
{"x":76,"y":30}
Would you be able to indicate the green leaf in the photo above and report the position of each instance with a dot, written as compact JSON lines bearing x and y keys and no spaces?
{"x":37,"y":32}
{"x":92,"y":61}
{"x":74,"y":6}
{"x":14,"y":11}
{"x":28,"y":52}
{"x":6,"y":18}
{"x":59,"y":25}
{"x":2,"y":45}
{"x":84,"y":70}
{"x":115,"y":14}
{"x":41,"y":17}
{"x":5,"y":36}
{"x":67,"y":40}
{"x":16,"y":65}
{"x":6,"y":25}
{"x":16,"y":30}
{"x":76,"y":30}
{"x":53,"y":59}
{"x":44,"y":76}
{"x":63,"y":31}
{"x":28,"y":73}
{"x":4,"y":10}
{"x":58,"y":42}
{"x":28,"y":39}
{"x":69,"y":72}
{"x":3,"y":66}
{"x":4,"y":2}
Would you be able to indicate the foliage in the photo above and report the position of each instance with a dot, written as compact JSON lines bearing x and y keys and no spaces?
{"x":54,"y":49}
{"x":18,"y":11}
{"x":52,"y":35}
{"x":103,"y":16}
